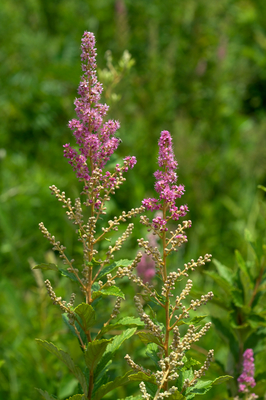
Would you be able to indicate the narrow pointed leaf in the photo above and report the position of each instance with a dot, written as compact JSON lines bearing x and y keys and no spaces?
{"x":112,"y":348}
{"x":104,"y":389}
{"x":69,"y":275}
{"x":45,"y":267}
{"x":192,"y":321}
{"x":222,"y":379}
{"x":227,"y":287}
{"x":224,"y":271}
{"x":111,"y":291}
{"x":148,"y":337}
{"x":67,"y":360}
{"x":77,"y":397}
{"x":141,"y":376}
{"x":86,"y":314}
{"x":114,"y":265}
{"x":94,"y":352}
{"x":45,"y":394}
{"x":128,"y":322}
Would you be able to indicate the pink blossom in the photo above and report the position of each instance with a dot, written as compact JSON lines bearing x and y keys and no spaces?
{"x":246,"y":379}
{"x":166,"y":186}
{"x":96,"y":140}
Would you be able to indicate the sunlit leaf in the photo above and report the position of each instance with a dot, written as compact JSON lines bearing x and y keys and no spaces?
{"x":148,"y":337}
{"x":111,"y":291}
{"x":86,"y":314}
{"x":45,"y":267}
{"x":45,"y":394}
{"x":94,"y":352}
{"x":67,"y":360}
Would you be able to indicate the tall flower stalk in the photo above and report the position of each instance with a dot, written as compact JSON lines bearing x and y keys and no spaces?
{"x":96,"y":141}
{"x":173,"y":372}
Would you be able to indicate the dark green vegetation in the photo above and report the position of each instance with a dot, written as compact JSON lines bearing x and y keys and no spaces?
{"x":200,"y":72}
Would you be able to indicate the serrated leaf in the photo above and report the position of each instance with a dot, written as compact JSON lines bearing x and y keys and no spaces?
{"x":45,"y":267}
{"x":189,"y":362}
{"x":111,"y":291}
{"x":114,"y":265}
{"x":222,"y":379}
{"x":122,"y":323}
{"x":141,"y":376}
{"x":148,"y":337}
{"x":94,"y":352}
{"x":192,"y":321}
{"x":86,"y":314}
{"x":45,"y":394}
{"x":201,"y":387}
{"x":67,"y":360}
{"x":77,"y":397}
{"x":67,"y":274}
{"x":112,"y":348}
{"x":224,"y":271}
{"x":108,"y":387}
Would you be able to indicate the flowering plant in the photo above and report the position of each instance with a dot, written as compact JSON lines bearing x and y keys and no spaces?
{"x":173,"y":375}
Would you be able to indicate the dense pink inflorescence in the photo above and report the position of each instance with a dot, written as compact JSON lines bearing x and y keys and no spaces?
{"x":165,"y":185}
{"x":246,"y":379}
{"x":96,"y":139}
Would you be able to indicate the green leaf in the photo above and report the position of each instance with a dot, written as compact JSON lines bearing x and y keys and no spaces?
{"x":261,"y":187}
{"x":69,"y":275}
{"x":226,"y":286}
{"x":192,"y":321}
{"x":108,"y":387}
{"x":94,"y":352}
{"x":111,"y":291}
{"x":45,"y":394}
{"x":86,"y":314}
{"x":138,"y":397}
{"x":122,"y":323}
{"x":77,"y":397}
{"x":141,"y":376}
{"x":189,"y":362}
{"x":224,"y":271}
{"x":45,"y":267}
{"x":222,"y":379}
{"x":241,"y":263}
{"x":67,"y":360}
{"x":148,"y":337}
{"x":114,"y":265}
{"x":201,"y":387}
{"x":112,"y":348}
{"x":176,"y":396}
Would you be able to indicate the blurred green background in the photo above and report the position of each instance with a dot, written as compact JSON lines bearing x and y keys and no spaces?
{"x":199,"y":72}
